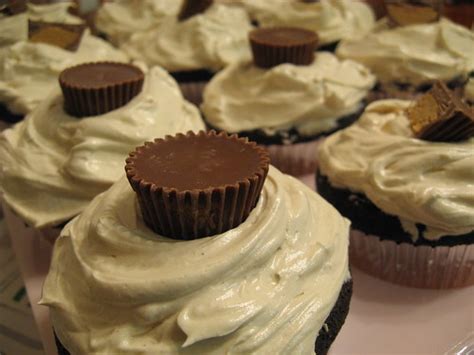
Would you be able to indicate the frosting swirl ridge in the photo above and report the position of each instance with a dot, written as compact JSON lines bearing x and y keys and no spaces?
{"x":266,"y":286}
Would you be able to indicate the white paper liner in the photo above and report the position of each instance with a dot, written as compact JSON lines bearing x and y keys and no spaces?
{"x":295,"y":159}
{"x":193,"y":91}
{"x":416,"y":266}
{"x":16,"y":226}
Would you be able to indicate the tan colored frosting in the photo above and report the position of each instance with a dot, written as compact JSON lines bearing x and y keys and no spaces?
{"x":55,"y":12}
{"x":210,"y":40}
{"x":417,"y":181}
{"x":415,"y":54}
{"x":64,"y":161}
{"x":29,"y":71}
{"x":120,"y":19}
{"x":266,"y":287}
{"x":308,"y":98}
{"x":333,"y":20}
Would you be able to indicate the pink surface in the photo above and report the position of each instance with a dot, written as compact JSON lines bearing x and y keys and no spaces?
{"x":384,"y":318}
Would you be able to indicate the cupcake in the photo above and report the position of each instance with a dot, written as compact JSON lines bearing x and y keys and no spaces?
{"x":408,"y":58}
{"x":71,"y":147}
{"x":118,"y":20}
{"x":29,"y":68}
{"x":403,"y":175}
{"x":263,"y":264}
{"x":203,"y":39}
{"x":288,"y":98}
{"x":333,"y":20}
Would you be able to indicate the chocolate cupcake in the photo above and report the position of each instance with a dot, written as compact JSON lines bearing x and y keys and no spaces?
{"x":402,"y":175}
{"x":71,"y":147}
{"x":200,"y":41}
{"x":50,"y":40}
{"x":332,"y":20}
{"x":288,"y":98}
{"x":223,"y":260}
{"x":406,"y":52}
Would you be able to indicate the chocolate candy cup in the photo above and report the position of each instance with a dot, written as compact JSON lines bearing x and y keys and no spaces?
{"x":404,"y":13}
{"x":96,"y":88}
{"x":197,"y":185}
{"x":56,"y":34}
{"x":278,"y":45}
{"x":440,"y":115}
{"x":193,"y":7}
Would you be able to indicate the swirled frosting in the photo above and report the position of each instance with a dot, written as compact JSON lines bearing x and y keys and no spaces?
{"x":469,"y":90}
{"x":333,"y":20}
{"x":415,"y":54}
{"x":267,"y":286}
{"x":417,"y":181}
{"x":120,"y":19}
{"x":310,"y":98}
{"x":55,"y":12}
{"x":53,"y":164}
{"x":210,"y":40}
{"x":29,"y":71}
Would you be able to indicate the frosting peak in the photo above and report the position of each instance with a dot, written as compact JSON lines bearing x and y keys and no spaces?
{"x":244,"y":97}
{"x":64,"y":161}
{"x":266,"y":286}
{"x":210,"y":40}
{"x":414,"y":54}
{"x":417,"y":181}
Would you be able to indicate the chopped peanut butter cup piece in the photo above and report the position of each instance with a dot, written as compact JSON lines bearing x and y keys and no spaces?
{"x":193,"y":7}
{"x":56,"y":34}
{"x":96,"y":88}
{"x":403,"y":13}
{"x":278,"y":45}
{"x":440,"y":115}
{"x":197,"y":185}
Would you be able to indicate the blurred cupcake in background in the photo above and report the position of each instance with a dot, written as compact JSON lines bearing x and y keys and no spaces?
{"x":203,"y":39}
{"x":118,"y":20}
{"x":71,"y":147}
{"x":31,"y":63}
{"x":288,"y":98}
{"x":403,"y":174}
{"x":333,"y":20}
{"x":413,"y":48}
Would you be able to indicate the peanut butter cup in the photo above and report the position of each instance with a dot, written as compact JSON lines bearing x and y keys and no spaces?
{"x":440,"y":115}
{"x":403,"y":13}
{"x":96,"y":88}
{"x":197,"y":185}
{"x":56,"y":34}
{"x":193,"y":7}
{"x":278,"y":45}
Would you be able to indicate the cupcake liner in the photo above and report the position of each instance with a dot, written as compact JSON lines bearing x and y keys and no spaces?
{"x":295,"y":159}
{"x":196,"y":213}
{"x":274,"y":46}
{"x":193,"y":91}
{"x":420,"y":266}
{"x":83,"y":101}
{"x":17,"y":227}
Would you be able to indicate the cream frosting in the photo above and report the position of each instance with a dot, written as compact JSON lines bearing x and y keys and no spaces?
{"x":13,"y":29}
{"x":53,"y":164}
{"x":29,"y":71}
{"x":469,"y":90}
{"x":267,"y":286}
{"x":210,"y":40}
{"x":120,"y":19}
{"x":308,"y":98}
{"x":333,"y":20}
{"x":415,"y":54}
{"x":417,"y":181}
{"x":55,"y":12}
